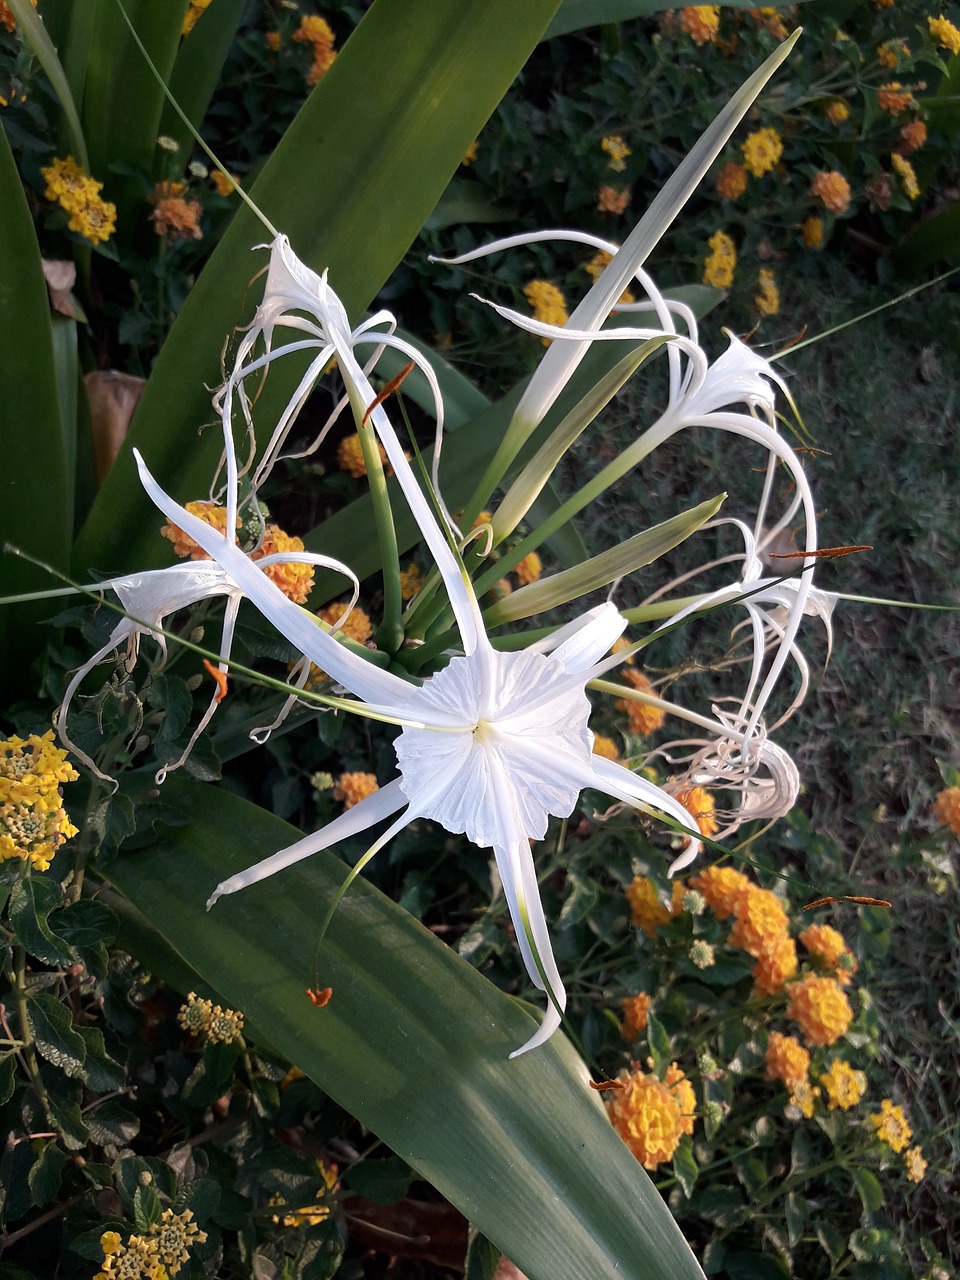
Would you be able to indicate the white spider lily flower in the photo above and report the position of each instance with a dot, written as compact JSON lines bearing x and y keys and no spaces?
{"x":148,"y":599}
{"x":491,"y":746}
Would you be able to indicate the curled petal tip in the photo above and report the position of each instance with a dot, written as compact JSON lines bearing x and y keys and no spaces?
{"x":217,"y":893}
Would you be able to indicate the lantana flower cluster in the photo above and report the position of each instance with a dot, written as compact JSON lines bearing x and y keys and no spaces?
{"x":814,"y":1062}
{"x":155,"y":1254}
{"x":33,"y":821}
{"x":79,"y":195}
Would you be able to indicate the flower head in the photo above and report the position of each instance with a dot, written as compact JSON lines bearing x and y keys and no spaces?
{"x":701,"y":805}
{"x":222,"y":182}
{"x":643,"y":717}
{"x":759,"y":920}
{"x":811,"y":232}
{"x":721,"y":887}
{"x":894,"y":98}
{"x":914,"y":1164}
{"x":820,"y":1009}
{"x":192,"y":16}
{"x":776,"y":965}
{"x":33,"y":821}
{"x":647,"y":912}
{"x":832,"y":190}
{"x":183,"y":544}
{"x":837,"y":111}
{"x":844,"y":1085}
{"x":225,"y":1026}
{"x":731,"y":181}
{"x":194,"y":1016}
{"x":891,"y":1125}
{"x":606,"y":747}
{"x":767,"y":299}
{"x":762,"y":150}
{"x":548,"y":303}
{"x":612,"y":199}
{"x":351,"y":788}
{"x":701,"y":22}
{"x":912,"y":137}
{"x":174,"y":216}
{"x":946,"y":808}
{"x":907,"y":175}
{"x":79,"y":195}
{"x":173,"y":1236}
{"x":828,"y":946}
{"x":652,"y":1115}
{"x":635,"y":1010}
{"x":529,"y":568}
{"x":617,"y":150}
{"x":787,"y":1060}
{"x":944,"y":33}
{"x":721,"y":261}
{"x":803,"y":1098}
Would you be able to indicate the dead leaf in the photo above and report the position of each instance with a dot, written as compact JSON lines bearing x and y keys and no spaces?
{"x":113,"y":398}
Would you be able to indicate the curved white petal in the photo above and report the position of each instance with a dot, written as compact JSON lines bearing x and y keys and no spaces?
{"x":640,"y":793}
{"x":373,"y":808}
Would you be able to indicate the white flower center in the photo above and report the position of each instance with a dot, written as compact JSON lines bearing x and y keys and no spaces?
{"x":521,"y":760}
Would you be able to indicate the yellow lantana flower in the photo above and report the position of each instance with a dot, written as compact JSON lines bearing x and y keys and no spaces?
{"x":844,"y":1085}
{"x":891,"y":1125}
{"x":721,"y":261}
{"x":762,"y":150}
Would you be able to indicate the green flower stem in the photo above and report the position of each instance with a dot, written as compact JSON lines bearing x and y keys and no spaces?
{"x":17,"y":977}
{"x":390,"y":632}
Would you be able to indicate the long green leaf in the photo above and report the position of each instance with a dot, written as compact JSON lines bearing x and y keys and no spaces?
{"x":414,"y":1043}
{"x":602,"y":569}
{"x":351,"y":183}
{"x":35,"y":487}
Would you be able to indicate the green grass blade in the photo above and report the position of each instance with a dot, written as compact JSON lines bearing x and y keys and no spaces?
{"x":414,"y":1043}
{"x":351,"y":183}
{"x":35,"y":486}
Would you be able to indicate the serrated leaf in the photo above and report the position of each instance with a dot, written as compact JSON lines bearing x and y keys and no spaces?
{"x":723,"y":1206}
{"x":46,"y":1174}
{"x":112,"y":821}
{"x":146,"y":1207}
{"x":111,"y":1122}
{"x":32,"y":901}
{"x":383,"y":1181}
{"x":87,"y":1243}
{"x":320,"y":1255}
{"x":171,"y":696}
{"x":87,"y":922}
{"x":68,"y":1120}
{"x":54,"y":1035}
{"x":201,"y":1197}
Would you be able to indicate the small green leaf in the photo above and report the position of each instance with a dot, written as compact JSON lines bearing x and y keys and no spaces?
{"x":170,"y":695}
{"x":146,"y":1206}
{"x":54,"y":1035}
{"x":658,"y":1041}
{"x":723,"y":1206}
{"x":320,"y":1255}
{"x":87,"y":922}
{"x":111,"y":1122}
{"x":211,"y":1075}
{"x":67,"y":1119}
{"x":112,"y":821}
{"x":796,"y":1211}
{"x":868,"y":1189}
{"x":31,"y":902}
{"x":383,"y":1181}
{"x":15,"y":1168}
{"x":752,"y":1172}
{"x":754,"y":1266}
{"x":46,"y":1174}
{"x":685,"y":1167}
{"x":87,"y":1243}
{"x":201,"y":1197}
{"x":8,"y":1078}
{"x":830,"y":1239}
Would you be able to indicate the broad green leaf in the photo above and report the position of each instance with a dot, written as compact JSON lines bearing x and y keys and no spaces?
{"x":414,"y":1043}
{"x":467,"y":201}
{"x":32,"y":900}
{"x":46,"y":1174}
{"x":122,"y":102}
{"x":53,"y":1033}
{"x":35,"y":488}
{"x":601,"y":570}
{"x":351,"y":183}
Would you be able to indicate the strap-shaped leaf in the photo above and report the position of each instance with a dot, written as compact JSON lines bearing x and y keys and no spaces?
{"x":35,"y":489}
{"x":414,"y":1042}
{"x":601,"y":570}
{"x":351,"y":183}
